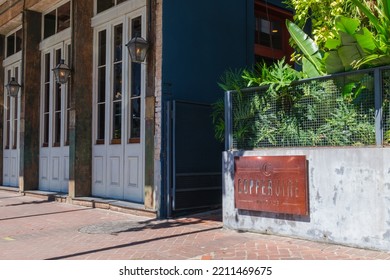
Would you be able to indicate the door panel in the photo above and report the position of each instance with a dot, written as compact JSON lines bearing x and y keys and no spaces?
{"x":115,"y":167}
{"x":118,"y":112}
{"x":99,"y":176}
{"x":133,"y":175}
{"x":54,"y":151}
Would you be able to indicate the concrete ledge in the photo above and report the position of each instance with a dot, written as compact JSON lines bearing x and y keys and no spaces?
{"x":114,"y":205}
{"x":10,"y":189}
{"x":49,"y":196}
{"x":95,"y":202}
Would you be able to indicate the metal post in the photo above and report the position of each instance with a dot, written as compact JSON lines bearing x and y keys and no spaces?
{"x":168,"y":157}
{"x":378,"y":106}
{"x":228,"y":121}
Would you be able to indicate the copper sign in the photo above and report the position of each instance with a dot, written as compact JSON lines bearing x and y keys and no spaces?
{"x":275,"y":184}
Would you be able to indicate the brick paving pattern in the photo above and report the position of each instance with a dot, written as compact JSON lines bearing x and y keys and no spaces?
{"x":37,"y":229}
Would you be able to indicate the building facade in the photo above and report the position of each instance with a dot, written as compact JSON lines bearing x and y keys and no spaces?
{"x":118,"y":130}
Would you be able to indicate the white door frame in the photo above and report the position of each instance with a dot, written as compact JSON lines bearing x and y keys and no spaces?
{"x":118,"y":166}
{"x":54,"y":150}
{"x":12,"y":106}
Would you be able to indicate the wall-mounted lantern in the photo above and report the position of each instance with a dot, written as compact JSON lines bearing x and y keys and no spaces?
{"x":61,"y":72}
{"x":13,"y":87}
{"x":138,"y":47}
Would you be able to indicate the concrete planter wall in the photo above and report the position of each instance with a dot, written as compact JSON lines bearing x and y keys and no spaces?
{"x":349,"y":198}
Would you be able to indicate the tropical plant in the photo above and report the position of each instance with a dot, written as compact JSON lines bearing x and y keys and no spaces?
{"x":312,"y":60}
{"x":276,"y":78}
{"x":320,"y":15}
{"x":377,"y":44}
{"x":353,"y":45}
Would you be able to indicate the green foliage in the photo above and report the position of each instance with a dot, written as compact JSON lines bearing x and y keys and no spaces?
{"x":347,"y":35}
{"x":321,"y":15}
{"x":352,"y":40}
{"x":313,"y":113}
{"x":312,"y":63}
{"x":232,"y":80}
{"x":357,"y":46}
{"x":276,"y":77}
{"x":343,"y":127}
{"x":218,"y":118}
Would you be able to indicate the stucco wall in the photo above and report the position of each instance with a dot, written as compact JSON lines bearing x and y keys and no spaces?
{"x":349,"y":198}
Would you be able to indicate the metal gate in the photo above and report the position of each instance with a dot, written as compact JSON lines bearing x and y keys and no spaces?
{"x":194,"y":159}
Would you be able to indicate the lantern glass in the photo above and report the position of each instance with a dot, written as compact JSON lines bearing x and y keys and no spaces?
{"x":138,"y":48}
{"x":13,"y":87}
{"x":61,"y":72}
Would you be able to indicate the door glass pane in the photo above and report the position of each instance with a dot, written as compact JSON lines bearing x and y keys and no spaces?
{"x":15,"y":117}
{"x":117,"y":121}
{"x":101,"y":117}
{"x":118,"y":81}
{"x":15,"y":123}
{"x":135,"y":118}
{"x":101,"y":84}
{"x":118,"y":42}
{"x":101,"y":88}
{"x":67,"y":98}
{"x":135,"y":88}
{"x":46,"y":101}
{"x":135,"y":79}
{"x":63,"y":17}
{"x":136,"y":27}
{"x":103,"y":5}
{"x":49,"y":24}
{"x":117,"y":102}
{"x":57,"y":106}
{"x":102,"y":48}
{"x":117,"y":84}
{"x":7,"y":115}
{"x":8,"y":122}
{"x":18,"y":40}
{"x":10,"y":44}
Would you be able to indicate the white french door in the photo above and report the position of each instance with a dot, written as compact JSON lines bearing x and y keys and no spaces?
{"x":11,"y":128}
{"x":54,"y":143}
{"x":119,"y":90}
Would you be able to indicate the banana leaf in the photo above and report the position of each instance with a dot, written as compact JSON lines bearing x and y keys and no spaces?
{"x":307,"y":46}
{"x":366,"y":40}
{"x":347,"y":25}
{"x":333,"y":62}
{"x":309,"y":69}
{"x":374,"y":20}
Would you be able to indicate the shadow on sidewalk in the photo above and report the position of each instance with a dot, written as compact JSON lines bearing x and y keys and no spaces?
{"x":28,"y":203}
{"x":132,"y":244}
{"x":43,"y":214}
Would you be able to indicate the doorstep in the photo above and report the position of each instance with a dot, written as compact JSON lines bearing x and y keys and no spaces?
{"x":96,"y":202}
{"x":10,"y":189}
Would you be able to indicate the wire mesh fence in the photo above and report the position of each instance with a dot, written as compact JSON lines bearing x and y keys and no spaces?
{"x":337,"y":110}
{"x":386,"y":106}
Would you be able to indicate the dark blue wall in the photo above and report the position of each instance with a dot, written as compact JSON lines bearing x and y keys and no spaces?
{"x":201,"y":39}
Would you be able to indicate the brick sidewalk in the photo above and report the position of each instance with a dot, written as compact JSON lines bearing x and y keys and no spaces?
{"x":33,"y":228}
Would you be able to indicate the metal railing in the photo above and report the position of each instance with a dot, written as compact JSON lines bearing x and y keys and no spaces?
{"x":348,"y":109}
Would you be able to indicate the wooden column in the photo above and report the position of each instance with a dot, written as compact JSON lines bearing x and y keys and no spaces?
{"x":150,"y":101}
{"x":30,"y":102}
{"x":1,"y":109}
{"x":80,"y":134}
